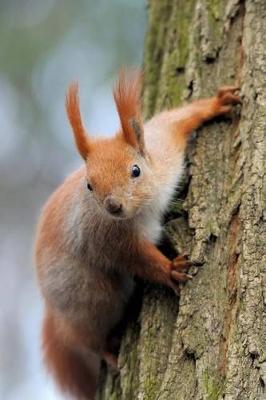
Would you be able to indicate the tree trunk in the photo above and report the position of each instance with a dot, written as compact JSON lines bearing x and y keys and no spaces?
{"x":211,"y":343}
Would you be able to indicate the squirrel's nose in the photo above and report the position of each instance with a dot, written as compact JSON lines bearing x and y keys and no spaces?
{"x":113,"y":206}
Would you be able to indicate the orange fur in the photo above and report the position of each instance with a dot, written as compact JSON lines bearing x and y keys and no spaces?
{"x":72,"y":371}
{"x":185,"y":120}
{"x":203,"y":110}
{"x":73,"y":112}
{"x":100,"y":162}
{"x":127,"y":99}
{"x":86,"y":257}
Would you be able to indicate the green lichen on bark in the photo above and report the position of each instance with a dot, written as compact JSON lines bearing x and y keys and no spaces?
{"x":158,"y":13}
{"x":176,"y":54}
{"x":213,"y":387}
{"x":211,"y":344}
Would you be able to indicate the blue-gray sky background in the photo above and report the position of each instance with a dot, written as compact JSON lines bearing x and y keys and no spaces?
{"x":44,"y":45}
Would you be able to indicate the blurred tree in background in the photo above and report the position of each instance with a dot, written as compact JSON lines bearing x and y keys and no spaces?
{"x":44,"y":45}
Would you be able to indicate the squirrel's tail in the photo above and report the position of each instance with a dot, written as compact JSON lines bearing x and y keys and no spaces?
{"x":73,"y":373}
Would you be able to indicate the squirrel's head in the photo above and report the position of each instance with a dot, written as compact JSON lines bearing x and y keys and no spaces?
{"x":119,"y":170}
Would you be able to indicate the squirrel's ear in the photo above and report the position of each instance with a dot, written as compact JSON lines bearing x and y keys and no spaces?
{"x":73,"y":112}
{"x":127,"y":99}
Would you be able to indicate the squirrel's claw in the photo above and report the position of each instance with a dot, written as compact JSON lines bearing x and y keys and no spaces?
{"x":178,"y":268}
{"x":226,"y":98}
{"x":225,"y":89}
{"x":174,"y":286}
{"x":181,"y":263}
{"x":180,"y":276}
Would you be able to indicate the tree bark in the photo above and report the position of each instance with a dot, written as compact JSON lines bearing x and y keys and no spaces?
{"x":211,"y":343}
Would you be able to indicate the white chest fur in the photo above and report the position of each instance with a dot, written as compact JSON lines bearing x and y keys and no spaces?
{"x":150,"y":226}
{"x":150,"y":220}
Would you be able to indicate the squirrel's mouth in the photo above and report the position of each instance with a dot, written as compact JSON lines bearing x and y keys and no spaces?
{"x":116,"y":212}
{"x":119,"y":215}
{"x":116,"y":215}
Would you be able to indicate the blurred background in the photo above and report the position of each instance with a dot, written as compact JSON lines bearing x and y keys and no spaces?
{"x":44,"y":45}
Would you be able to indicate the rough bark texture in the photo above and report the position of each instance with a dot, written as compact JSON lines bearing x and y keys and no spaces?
{"x":211,"y":343}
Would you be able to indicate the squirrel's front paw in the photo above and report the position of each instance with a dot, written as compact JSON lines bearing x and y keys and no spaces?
{"x":225,"y":98}
{"x":181,"y":263}
{"x":179,"y":268}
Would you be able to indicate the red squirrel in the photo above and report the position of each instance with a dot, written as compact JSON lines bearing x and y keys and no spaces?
{"x":100,"y":228}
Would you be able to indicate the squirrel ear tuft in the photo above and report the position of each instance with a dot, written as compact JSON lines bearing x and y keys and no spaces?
{"x":74,"y":116}
{"x":127,"y":99}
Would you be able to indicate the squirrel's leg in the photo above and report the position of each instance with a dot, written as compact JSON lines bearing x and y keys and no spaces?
{"x":152,"y":265}
{"x":193,"y":115}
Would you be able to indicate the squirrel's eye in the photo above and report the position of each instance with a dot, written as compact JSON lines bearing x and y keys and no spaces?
{"x":135,"y":172}
{"x":89,"y":187}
